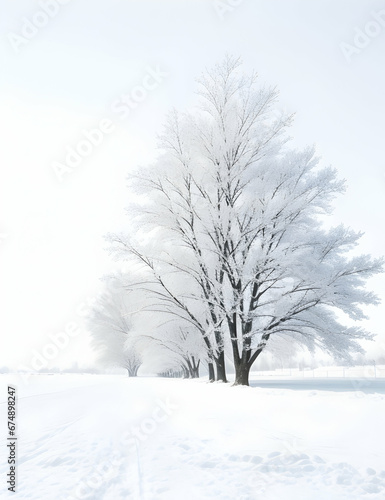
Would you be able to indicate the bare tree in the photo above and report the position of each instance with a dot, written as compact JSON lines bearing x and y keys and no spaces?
{"x":172,"y":342}
{"x":230,"y":230}
{"x":110,"y":327}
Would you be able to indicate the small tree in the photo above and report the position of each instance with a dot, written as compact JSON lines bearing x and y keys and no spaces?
{"x":171,"y":341}
{"x":111,"y":328}
{"x":233,"y":217}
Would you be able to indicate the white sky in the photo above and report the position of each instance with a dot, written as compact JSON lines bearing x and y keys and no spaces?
{"x":68,"y":75}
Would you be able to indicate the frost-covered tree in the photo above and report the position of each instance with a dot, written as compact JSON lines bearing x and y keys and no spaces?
{"x":161,"y":298}
{"x":172,"y":344}
{"x":230,"y":229}
{"x":110,"y":327}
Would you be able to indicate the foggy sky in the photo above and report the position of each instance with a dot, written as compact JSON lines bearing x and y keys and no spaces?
{"x":66,"y":76}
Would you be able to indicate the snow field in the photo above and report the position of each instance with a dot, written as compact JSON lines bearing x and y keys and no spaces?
{"x":110,"y":438}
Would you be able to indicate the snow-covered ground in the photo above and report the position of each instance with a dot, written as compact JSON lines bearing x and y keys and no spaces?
{"x":111,"y":438}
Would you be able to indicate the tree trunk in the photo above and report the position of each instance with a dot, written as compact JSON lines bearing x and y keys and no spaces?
{"x":186,"y":373}
{"x":195,"y":373}
{"x":242,"y":371}
{"x":211,"y":372}
{"x":244,"y":364}
{"x":221,"y":369}
{"x":194,"y":367}
{"x":133,"y":371}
